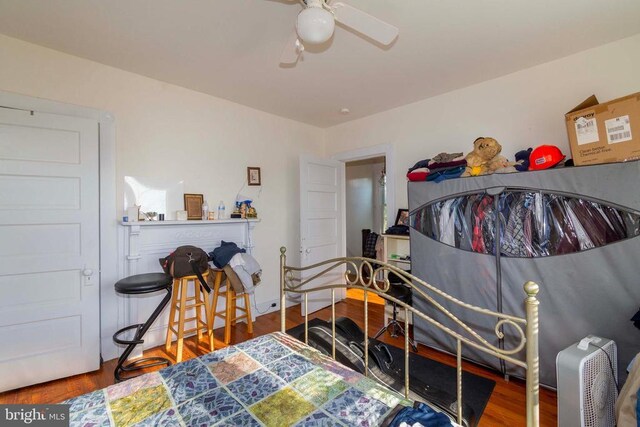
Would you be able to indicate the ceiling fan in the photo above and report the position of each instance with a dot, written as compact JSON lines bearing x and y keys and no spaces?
{"x":316,"y":23}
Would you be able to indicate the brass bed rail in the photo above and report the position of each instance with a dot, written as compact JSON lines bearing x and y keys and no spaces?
{"x":369,"y":284}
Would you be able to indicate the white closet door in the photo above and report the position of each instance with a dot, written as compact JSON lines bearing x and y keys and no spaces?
{"x":49,"y":247}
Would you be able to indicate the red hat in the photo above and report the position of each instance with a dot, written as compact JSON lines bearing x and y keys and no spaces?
{"x":545,"y":157}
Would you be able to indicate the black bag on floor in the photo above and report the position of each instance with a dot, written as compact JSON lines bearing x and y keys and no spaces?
{"x":383,"y":366}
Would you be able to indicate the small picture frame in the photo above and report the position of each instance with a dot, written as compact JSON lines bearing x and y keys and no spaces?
{"x":253,"y":176}
{"x":402,"y":218}
{"x":193,"y":205}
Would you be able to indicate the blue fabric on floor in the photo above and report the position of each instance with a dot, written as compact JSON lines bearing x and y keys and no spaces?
{"x":422,"y":414}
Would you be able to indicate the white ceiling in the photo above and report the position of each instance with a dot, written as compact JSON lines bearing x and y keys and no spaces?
{"x":231,"y":48}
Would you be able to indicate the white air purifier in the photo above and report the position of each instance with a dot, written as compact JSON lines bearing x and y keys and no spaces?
{"x":587,"y":376}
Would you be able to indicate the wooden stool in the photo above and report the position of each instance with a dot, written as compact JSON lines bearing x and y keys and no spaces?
{"x":222,"y":288}
{"x":179,"y":303}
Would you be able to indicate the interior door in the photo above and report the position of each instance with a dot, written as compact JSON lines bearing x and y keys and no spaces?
{"x":321,"y":224}
{"x":49,"y":247}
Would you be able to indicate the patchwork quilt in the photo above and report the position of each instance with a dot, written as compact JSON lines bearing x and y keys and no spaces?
{"x":272,"y":380}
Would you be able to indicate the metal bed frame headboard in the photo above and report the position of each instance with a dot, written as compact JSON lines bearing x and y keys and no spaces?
{"x":369,"y":284}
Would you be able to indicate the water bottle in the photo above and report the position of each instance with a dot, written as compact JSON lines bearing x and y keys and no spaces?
{"x":221,"y":209}
{"x":205,"y":210}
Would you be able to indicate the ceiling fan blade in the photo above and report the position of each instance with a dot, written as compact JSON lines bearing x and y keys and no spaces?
{"x":292,"y":49}
{"x":364,"y":23}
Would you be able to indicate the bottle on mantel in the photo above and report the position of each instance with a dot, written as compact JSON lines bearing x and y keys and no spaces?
{"x":205,"y":210}
{"x":221,"y":210}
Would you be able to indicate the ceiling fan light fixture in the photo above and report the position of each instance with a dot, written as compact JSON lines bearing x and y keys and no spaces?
{"x":315,"y":25}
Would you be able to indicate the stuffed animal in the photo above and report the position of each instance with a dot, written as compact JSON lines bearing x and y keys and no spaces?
{"x":522,"y":160}
{"x":485,"y":159}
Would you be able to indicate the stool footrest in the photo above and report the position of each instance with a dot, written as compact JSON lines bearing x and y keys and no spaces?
{"x":201,"y":328}
{"x":135,"y":340}
{"x":190,"y":306}
{"x":140,"y":329}
{"x":203,"y":324}
{"x":142,"y":363}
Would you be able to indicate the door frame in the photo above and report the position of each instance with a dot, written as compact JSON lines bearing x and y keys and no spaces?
{"x":385,"y":150}
{"x":107,"y":180}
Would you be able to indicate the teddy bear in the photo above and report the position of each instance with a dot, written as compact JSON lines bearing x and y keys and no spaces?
{"x":485,"y":159}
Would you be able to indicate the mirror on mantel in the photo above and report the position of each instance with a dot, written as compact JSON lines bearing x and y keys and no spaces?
{"x":162,"y":195}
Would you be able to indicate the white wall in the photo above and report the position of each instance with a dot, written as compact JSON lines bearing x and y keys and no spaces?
{"x":168,"y":131}
{"x":520,"y":110}
{"x":363,"y":202}
{"x":180,"y":134}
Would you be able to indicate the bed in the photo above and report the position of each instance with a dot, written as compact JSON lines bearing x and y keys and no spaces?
{"x":272,"y":380}
{"x":276,"y":380}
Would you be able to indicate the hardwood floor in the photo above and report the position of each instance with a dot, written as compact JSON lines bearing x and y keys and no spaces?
{"x":358,"y":294}
{"x":505,"y":408}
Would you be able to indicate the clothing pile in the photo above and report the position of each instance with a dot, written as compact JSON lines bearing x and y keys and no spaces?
{"x":628,"y":401}
{"x":420,"y":415}
{"x":241,"y":269}
{"x":531,"y":224}
{"x":441,"y":167}
{"x":398,"y":230}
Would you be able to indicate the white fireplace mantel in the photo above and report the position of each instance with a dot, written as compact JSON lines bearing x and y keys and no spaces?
{"x":142,"y":236}
{"x":143,"y":243}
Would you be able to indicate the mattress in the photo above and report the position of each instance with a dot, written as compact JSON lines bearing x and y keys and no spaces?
{"x":272,"y":380}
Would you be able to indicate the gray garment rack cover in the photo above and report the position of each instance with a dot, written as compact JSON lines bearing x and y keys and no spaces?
{"x":591,"y":292}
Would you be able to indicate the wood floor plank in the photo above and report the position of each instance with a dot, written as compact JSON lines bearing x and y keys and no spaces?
{"x":505,"y":408}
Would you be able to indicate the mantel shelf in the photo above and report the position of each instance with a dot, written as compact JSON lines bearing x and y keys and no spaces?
{"x":190,"y":222}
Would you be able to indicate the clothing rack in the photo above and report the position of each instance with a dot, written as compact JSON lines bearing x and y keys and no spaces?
{"x":575,"y":231}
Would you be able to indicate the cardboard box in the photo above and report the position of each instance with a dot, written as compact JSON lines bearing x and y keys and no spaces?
{"x":605,"y":133}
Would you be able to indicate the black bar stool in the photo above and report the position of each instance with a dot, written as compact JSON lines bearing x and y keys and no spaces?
{"x":403,"y":294}
{"x":136,"y":285}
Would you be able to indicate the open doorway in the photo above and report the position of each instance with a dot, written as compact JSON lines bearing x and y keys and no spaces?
{"x":365,"y":196}
{"x":382,"y":159}
{"x":365,"y":209}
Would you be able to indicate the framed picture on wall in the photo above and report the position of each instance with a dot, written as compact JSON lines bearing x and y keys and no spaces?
{"x":402,"y":218}
{"x":253,"y":176}
{"x":193,"y":205}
